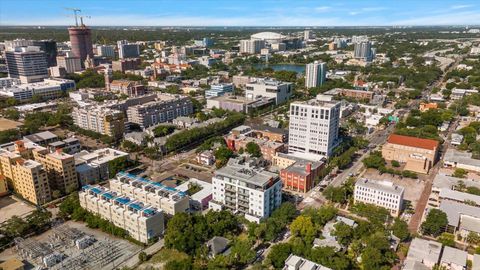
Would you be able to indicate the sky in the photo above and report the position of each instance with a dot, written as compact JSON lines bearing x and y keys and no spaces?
{"x":243,"y":12}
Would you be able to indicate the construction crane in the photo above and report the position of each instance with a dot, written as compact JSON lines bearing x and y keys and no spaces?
{"x":75,"y":14}
{"x":81,"y":19}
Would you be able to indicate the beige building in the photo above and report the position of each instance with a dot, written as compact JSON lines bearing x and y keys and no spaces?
{"x":28,"y":177}
{"x":170,"y":200}
{"x":102,"y":120}
{"x":35,"y":173}
{"x":142,"y":222}
{"x":60,"y":168}
{"x":419,"y":155}
{"x":3,"y":186}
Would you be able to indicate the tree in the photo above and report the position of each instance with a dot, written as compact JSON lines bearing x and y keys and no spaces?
{"x":278,"y":254}
{"x":400,"y":229}
{"x":344,"y":233}
{"x":459,"y":173}
{"x":303,"y":226}
{"x":253,"y":149}
{"x":447,"y":239}
{"x":473,"y":238}
{"x":395,"y":163}
{"x":374,"y":160}
{"x":242,"y":252}
{"x":222,"y":155}
{"x":435,"y":223}
{"x":11,"y":114}
{"x":142,"y":256}
{"x":56,"y":194}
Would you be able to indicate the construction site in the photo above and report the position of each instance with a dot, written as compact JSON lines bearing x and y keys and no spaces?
{"x":68,"y":247}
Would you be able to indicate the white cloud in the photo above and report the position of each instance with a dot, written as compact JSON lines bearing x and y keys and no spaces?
{"x":461,"y":6}
{"x":322,"y":8}
{"x":457,"y":18}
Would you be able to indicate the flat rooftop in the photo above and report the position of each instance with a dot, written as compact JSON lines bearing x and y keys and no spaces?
{"x":461,"y":157}
{"x":455,"y":210}
{"x":246,"y":171}
{"x":384,"y":186}
{"x":444,"y":181}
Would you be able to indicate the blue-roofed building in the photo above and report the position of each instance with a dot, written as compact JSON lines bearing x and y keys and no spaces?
{"x":141,"y":220}
{"x":168,"y":199}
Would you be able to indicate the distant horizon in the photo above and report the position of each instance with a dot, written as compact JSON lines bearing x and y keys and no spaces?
{"x":307,"y":27}
{"x":261,"y":13}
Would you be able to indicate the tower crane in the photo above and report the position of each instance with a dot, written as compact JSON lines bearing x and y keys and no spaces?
{"x":75,"y":14}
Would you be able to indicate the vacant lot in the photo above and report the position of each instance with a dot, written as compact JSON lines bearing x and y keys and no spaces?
{"x":11,"y":206}
{"x":6,"y":124}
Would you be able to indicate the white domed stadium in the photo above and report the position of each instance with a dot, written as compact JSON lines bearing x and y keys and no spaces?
{"x":270,"y":37}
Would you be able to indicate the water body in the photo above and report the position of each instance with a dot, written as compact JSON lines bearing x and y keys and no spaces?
{"x":289,"y":67}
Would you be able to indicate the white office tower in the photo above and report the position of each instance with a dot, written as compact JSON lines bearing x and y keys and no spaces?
{"x":313,"y":130}
{"x":245,"y":187}
{"x":307,"y":35}
{"x":315,"y":74}
{"x":251,"y":46}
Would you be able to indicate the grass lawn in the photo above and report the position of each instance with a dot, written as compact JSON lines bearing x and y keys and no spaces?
{"x":165,"y":255}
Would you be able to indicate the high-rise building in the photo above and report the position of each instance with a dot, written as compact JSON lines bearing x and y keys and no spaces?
{"x":106,"y":51}
{"x":204,"y":42}
{"x":315,"y":74}
{"x":127,"y":50}
{"x":28,"y":64}
{"x":50,"y":49}
{"x":251,"y":46}
{"x":363,"y":50}
{"x":70,"y":63}
{"x":81,"y":42}
{"x":244,"y":186}
{"x":307,"y":35}
{"x":313,"y":130}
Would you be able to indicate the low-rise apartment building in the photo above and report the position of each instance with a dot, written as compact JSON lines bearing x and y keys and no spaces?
{"x":126,"y":64}
{"x":169,"y":200}
{"x":461,"y":159}
{"x":351,"y":93}
{"x":127,"y":87}
{"x":244,"y":186}
{"x":380,"y":193}
{"x":100,"y":119}
{"x":217,"y":90}
{"x":419,"y":155}
{"x":422,"y":254}
{"x":268,"y":148}
{"x":297,"y":174}
{"x":165,"y":108}
{"x":92,"y":167}
{"x":142,"y":221}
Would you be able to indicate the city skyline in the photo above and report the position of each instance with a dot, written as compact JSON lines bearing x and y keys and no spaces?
{"x":258,"y":13}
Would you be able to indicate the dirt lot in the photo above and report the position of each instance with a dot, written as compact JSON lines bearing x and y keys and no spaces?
{"x":413,"y":187}
{"x":6,"y":124}
{"x":11,"y":206}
